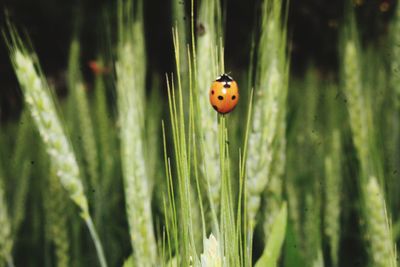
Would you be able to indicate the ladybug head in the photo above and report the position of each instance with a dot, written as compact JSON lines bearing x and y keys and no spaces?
{"x":224,"y":78}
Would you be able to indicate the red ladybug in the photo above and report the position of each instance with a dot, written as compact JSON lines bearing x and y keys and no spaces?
{"x":224,"y":94}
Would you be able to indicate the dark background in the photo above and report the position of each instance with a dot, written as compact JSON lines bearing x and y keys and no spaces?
{"x":313,"y":35}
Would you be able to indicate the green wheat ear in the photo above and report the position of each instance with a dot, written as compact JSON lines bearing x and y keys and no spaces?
{"x":37,"y":96}
{"x":130,"y":83}
{"x":379,"y":231}
{"x":269,"y":106}
{"x":356,"y":103}
{"x":363,"y":133}
{"x":43,"y":110}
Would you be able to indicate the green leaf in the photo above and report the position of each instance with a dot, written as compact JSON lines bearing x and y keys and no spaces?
{"x":274,"y":244}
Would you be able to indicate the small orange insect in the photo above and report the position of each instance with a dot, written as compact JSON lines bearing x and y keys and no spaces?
{"x":224,"y":94}
{"x":98,"y":68}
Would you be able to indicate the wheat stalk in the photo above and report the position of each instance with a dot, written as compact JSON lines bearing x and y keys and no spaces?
{"x":207,"y":70}
{"x":374,"y":207}
{"x":130,"y":69}
{"x":38,"y":99}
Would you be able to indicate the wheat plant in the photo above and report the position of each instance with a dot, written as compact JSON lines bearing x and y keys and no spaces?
{"x":130,"y":70}
{"x":302,"y":169}
{"x":40,"y":103}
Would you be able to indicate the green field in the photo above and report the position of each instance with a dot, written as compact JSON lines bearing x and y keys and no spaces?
{"x":137,"y":169}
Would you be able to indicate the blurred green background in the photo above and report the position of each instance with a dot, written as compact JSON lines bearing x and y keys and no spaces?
{"x":312,"y":27}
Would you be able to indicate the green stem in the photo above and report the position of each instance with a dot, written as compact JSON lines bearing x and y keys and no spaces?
{"x":96,"y":240}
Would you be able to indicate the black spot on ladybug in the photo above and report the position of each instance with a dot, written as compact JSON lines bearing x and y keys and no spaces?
{"x":224,"y":78}
{"x":227,"y":85}
{"x":233,"y":97}
{"x":215,"y":107}
{"x":220,"y":97}
{"x":212,"y":92}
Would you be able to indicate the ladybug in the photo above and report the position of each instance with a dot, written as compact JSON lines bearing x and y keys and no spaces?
{"x":224,"y":94}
